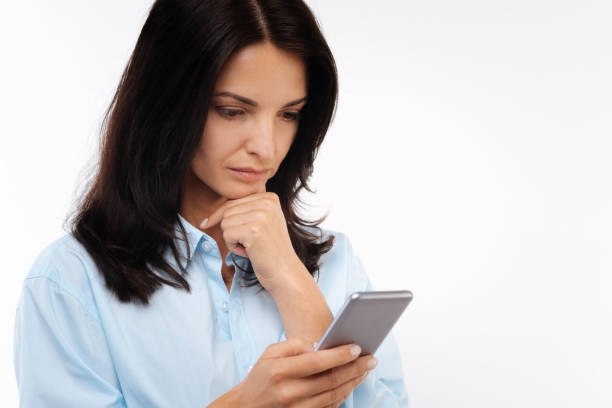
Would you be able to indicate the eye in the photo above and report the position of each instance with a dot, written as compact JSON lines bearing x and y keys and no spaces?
{"x":291,"y":116}
{"x":229,"y":114}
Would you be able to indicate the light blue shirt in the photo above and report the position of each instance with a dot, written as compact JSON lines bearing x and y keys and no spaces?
{"x":77,"y":346}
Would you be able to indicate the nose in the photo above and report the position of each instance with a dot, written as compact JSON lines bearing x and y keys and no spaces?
{"x":261,"y":140}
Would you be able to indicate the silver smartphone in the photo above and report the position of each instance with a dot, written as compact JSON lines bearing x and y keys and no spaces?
{"x":365,"y":319}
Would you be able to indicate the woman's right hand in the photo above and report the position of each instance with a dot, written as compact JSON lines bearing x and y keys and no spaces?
{"x":291,"y":374}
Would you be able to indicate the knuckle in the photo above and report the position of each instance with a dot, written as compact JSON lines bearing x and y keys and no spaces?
{"x":275,"y":374}
{"x":284,"y":396}
{"x":272,"y":348}
{"x":223,"y":223}
{"x":334,"y":396}
{"x":318,"y":361}
{"x":303,"y":341}
{"x":334,"y":378}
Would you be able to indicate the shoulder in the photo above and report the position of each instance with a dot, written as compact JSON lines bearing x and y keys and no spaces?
{"x":341,"y":254}
{"x":64,"y":266}
{"x":341,"y":241}
{"x":64,"y":251}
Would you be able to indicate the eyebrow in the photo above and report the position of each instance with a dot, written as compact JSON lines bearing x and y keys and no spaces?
{"x":252,"y":102}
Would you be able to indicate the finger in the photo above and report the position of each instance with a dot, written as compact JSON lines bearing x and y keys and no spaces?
{"x":331,"y":397}
{"x":244,"y":234}
{"x":239,"y":249}
{"x":207,"y":222}
{"x":337,"y":395}
{"x":332,"y":378}
{"x":251,"y":217}
{"x":265,"y":206}
{"x":312,"y":363}
{"x":217,"y":215}
{"x":239,"y":231}
{"x":238,"y":239}
{"x":288,"y":348}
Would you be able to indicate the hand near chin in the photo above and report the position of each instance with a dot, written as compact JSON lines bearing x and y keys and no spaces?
{"x":255,"y":227}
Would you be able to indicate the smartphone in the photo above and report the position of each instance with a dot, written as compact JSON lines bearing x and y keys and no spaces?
{"x":365,"y":319}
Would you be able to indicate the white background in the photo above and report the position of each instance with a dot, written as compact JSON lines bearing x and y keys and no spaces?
{"x":469,"y":161}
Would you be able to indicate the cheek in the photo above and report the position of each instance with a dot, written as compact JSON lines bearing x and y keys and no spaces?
{"x":214,"y":146}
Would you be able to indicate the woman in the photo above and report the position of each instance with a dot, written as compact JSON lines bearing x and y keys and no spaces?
{"x":210,"y":136}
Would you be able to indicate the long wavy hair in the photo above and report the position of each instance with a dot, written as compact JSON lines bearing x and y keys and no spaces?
{"x":127,"y":215}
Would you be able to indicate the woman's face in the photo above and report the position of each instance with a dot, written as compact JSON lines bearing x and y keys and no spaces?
{"x":252,"y":120}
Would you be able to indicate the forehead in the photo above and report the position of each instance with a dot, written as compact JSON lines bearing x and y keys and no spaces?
{"x":264,"y":73}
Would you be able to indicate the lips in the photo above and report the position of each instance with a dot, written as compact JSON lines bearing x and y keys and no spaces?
{"x":249,"y":174}
{"x":250,"y":170}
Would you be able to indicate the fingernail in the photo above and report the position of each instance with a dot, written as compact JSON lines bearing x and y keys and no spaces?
{"x":372,"y":362}
{"x":203,"y":224}
{"x":355,"y":350}
{"x":314,"y":345}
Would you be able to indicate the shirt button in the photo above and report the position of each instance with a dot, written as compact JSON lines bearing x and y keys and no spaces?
{"x":225,"y":307}
{"x":249,"y":369}
{"x":206,"y":246}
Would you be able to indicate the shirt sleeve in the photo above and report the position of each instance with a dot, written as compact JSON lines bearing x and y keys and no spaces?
{"x":385,"y":386}
{"x":60,"y":353}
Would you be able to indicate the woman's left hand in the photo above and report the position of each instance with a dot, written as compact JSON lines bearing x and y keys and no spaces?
{"x":255,"y":227}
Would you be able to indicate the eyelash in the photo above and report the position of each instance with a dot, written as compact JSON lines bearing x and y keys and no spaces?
{"x":231,"y":114}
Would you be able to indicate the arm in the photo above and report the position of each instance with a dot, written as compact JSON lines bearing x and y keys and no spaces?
{"x":301,"y":304}
{"x":60,"y":353}
{"x":305,"y":312}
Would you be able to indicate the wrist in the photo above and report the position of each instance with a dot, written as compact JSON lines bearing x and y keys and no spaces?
{"x":290,"y":280}
{"x":232,"y":398}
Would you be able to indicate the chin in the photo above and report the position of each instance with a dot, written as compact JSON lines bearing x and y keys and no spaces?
{"x":243,"y":191}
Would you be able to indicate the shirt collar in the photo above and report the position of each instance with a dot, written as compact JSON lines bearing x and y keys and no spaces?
{"x":196,"y":238}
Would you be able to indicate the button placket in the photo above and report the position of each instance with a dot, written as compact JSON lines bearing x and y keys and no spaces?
{"x":245,"y":351}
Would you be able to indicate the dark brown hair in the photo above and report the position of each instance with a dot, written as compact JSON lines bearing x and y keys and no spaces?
{"x":151,"y":130}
